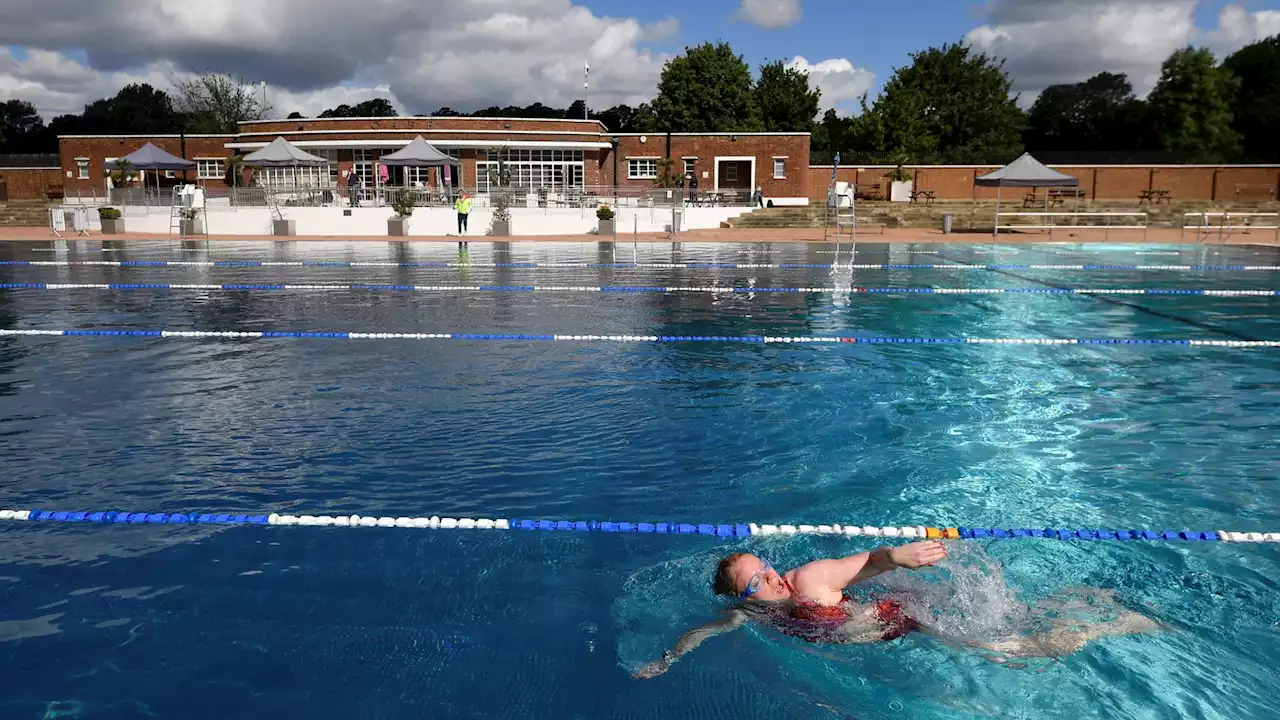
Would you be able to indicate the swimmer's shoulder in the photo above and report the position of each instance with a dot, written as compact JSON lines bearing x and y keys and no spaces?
{"x":810,"y":582}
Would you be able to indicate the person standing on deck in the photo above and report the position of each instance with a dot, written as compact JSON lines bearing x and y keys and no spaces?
{"x":463,"y":206}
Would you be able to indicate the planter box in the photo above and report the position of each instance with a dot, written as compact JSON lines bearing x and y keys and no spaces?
{"x":113,"y":227}
{"x":398,"y":226}
{"x":901,"y":191}
{"x":192,"y":227}
{"x":502,"y":228}
{"x":607,"y":227}
{"x":284,"y":227}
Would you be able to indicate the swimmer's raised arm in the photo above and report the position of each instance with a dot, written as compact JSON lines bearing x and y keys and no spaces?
{"x":732,"y":620}
{"x":840,"y":573}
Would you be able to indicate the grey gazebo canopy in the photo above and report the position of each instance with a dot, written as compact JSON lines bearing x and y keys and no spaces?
{"x":150,"y":157}
{"x":1026,"y":171}
{"x":418,"y":153}
{"x":282,"y":153}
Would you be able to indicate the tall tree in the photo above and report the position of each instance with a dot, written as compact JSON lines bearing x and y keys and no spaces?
{"x":377,"y":107}
{"x":952,"y":105}
{"x":22,"y":129}
{"x":1255,"y":109}
{"x":576,"y":110}
{"x":1100,"y":113}
{"x":446,"y":112}
{"x":138,"y":109}
{"x":708,"y":89}
{"x":295,"y":115}
{"x":1191,"y":107}
{"x":785,"y":100}
{"x":618,"y":118}
{"x":219,"y":103}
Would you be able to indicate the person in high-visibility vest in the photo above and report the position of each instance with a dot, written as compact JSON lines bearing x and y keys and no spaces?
{"x":463,"y":206}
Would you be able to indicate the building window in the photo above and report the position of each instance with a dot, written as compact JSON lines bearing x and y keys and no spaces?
{"x":332,"y":157}
{"x":552,"y":170}
{"x":292,"y":177}
{"x":210,"y":169}
{"x":779,"y":167}
{"x":169,"y":174}
{"x":690,"y":167}
{"x":82,"y":168}
{"x":642,"y":168}
{"x":731,"y":172}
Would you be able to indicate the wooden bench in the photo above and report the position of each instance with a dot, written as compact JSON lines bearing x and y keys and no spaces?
{"x":1268,"y":191}
{"x":1153,"y":196}
{"x":1059,"y":196}
{"x":867,"y":191}
{"x":928,"y":196}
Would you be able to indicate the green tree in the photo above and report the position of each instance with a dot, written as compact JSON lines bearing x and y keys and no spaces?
{"x":618,"y":118}
{"x":1255,"y":109}
{"x":786,"y":102}
{"x":295,"y":115}
{"x":708,"y":89}
{"x":219,"y":103}
{"x":138,"y":109}
{"x":377,"y":107}
{"x":1100,"y":113}
{"x":950,"y":105}
{"x":1191,"y":107}
{"x":22,"y":129}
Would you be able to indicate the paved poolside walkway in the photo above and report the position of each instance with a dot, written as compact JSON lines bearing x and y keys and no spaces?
{"x":1155,"y":236}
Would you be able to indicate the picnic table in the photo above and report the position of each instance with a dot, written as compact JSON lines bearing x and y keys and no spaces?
{"x":1059,"y":196}
{"x":1257,"y":190}
{"x":928,"y":196}
{"x":1153,"y":196}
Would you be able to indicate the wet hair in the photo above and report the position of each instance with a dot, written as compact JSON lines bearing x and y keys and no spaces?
{"x":722,"y":583}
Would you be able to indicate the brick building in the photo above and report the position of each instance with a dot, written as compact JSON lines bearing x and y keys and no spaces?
{"x":583,"y":154}
{"x":537,"y":153}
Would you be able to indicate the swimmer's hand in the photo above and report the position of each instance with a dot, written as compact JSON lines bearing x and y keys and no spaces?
{"x":916,"y":555}
{"x":653,"y":669}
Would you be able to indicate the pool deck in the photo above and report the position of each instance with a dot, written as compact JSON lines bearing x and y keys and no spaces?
{"x":1157,"y":236}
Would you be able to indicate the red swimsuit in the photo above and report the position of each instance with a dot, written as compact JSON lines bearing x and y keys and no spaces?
{"x":809,"y":617}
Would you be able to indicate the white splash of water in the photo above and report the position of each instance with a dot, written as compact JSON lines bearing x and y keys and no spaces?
{"x":965,"y":598}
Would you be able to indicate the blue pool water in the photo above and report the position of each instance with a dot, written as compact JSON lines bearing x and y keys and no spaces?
{"x":204,"y":622}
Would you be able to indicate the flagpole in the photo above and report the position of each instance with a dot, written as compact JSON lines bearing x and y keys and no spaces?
{"x":586,"y":71}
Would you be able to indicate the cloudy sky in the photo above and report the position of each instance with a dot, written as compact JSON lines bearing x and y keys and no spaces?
{"x":424,"y":54}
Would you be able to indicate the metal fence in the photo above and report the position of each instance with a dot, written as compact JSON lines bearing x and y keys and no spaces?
{"x":519,"y":200}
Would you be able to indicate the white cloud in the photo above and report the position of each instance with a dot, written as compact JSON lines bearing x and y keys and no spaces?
{"x":1045,"y":42}
{"x":770,"y":13}
{"x":838,"y":79}
{"x":1238,"y":27}
{"x":423,"y":54}
{"x":1065,"y":41}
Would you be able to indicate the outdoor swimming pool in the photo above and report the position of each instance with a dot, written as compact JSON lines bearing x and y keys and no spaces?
{"x":215,"y":622}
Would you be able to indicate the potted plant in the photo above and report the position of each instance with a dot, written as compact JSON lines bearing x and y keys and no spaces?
{"x":900,"y":185}
{"x":112,"y":221}
{"x":501,"y":226}
{"x":402,"y":202}
{"x":604,"y":214}
{"x":191,"y":222}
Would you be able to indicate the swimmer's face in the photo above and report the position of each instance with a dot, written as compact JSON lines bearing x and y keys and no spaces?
{"x":750,"y":573}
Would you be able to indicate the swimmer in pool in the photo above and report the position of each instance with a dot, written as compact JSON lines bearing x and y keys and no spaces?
{"x":809,"y":602}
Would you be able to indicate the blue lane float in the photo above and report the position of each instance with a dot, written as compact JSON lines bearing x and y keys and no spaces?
{"x":629,"y":289}
{"x":632,"y":265}
{"x":720,"y":530}
{"x":537,"y":337}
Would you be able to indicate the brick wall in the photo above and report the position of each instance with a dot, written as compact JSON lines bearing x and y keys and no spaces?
{"x":98,"y":148}
{"x":1101,"y":182}
{"x":30,"y":183}
{"x":706,"y":148}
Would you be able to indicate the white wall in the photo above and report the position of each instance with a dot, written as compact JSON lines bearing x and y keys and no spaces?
{"x":429,"y":221}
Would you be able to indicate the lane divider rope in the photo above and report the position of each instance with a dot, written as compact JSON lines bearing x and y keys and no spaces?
{"x":755,"y":339}
{"x":688,"y":266}
{"x":626,"y":289}
{"x":717,"y":530}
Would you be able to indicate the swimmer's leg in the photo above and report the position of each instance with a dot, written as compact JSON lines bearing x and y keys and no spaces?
{"x":1064,"y":638}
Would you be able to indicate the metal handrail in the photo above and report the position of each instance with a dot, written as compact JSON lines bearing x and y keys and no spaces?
{"x":1106,"y":227}
{"x":1224,"y":226}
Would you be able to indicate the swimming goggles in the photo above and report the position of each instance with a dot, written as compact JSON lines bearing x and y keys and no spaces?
{"x":753,"y":586}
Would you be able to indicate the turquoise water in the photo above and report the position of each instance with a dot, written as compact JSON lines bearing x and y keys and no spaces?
{"x":207,"y":622}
